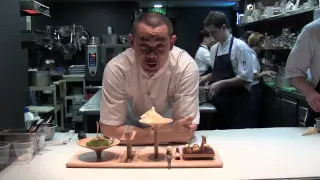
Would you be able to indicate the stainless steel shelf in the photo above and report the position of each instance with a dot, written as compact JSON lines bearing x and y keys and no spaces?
{"x":276,"y":17}
{"x":275,"y":48}
{"x":41,"y":88}
{"x":93,"y":87}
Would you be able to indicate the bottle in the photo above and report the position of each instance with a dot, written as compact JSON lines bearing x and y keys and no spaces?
{"x":28,"y":117}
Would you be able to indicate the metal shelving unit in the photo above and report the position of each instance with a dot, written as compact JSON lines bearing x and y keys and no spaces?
{"x":73,"y":79}
{"x":57,"y":106}
{"x":280,"y":16}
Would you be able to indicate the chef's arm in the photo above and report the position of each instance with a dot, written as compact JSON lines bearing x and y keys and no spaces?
{"x":301,"y":84}
{"x":298,"y":62}
{"x":143,"y":136}
{"x":205,"y":78}
{"x":233,"y":82}
{"x":113,"y":106}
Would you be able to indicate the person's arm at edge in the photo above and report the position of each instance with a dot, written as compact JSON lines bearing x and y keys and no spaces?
{"x":299,"y":60}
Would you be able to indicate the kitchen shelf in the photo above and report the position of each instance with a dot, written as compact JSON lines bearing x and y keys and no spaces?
{"x":275,"y":48}
{"x":280,"y":16}
{"x":57,"y":105}
{"x":71,"y":78}
{"x":93,"y":87}
{"x":41,"y":88}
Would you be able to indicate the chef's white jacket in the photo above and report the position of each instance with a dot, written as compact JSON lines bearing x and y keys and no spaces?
{"x":256,"y":66}
{"x":306,"y":54}
{"x":128,"y":91}
{"x":203,"y":59}
{"x":241,"y":58}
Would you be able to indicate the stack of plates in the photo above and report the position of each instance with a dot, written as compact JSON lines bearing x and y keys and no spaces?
{"x":77,"y":69}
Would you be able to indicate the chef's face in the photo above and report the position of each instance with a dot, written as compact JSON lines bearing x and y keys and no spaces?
{"x":217,"y":33}
{"x":151,"y":47}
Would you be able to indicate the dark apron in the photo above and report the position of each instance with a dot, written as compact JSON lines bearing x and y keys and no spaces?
{"x":233,"y":104}
{"x":209,"y":70}
{"x":311,"y":114}
{"x":256,"y":99}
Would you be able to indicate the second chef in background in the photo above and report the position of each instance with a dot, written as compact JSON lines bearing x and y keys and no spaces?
{"x":231,"y":76}
{"x":152,"y":73}
{"x":203,"y":54}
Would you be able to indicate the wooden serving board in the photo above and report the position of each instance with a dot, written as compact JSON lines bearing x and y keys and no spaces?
{"x":116,"y":157}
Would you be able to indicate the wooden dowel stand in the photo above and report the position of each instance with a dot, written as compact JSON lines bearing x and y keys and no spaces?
{"x":127,"y":139}
{"x":156,"y":142}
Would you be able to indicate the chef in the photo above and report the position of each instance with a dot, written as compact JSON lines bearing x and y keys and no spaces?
{"x":306,"y":55}
{"x":255,"y":41}
{"x":152,"y":73}
{"x":231,"y":76}
{"x":203,"y":54}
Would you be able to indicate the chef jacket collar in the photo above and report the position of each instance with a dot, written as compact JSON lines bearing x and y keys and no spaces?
{"x":253,"y":52}
{"x":225,"y":43}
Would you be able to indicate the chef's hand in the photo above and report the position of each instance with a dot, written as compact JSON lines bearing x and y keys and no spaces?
{"x":269,"y":73}
{"x":202,"y":80}
{"x":180,"y":130}
{"x":215,"y":89}
{"x":313,"y":100}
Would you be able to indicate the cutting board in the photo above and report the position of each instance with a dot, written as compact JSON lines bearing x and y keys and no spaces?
{"x":116,"y":157}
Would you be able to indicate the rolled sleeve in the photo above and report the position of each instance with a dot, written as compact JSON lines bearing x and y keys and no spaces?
{"x":300,"y":57}
{"x":113,"y":108}
{"x":186,"y":100}
{"x":255,"y":63}
{"x":245,"y":64}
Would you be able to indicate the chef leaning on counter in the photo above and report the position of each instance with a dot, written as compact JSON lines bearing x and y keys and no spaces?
{"x":152,"y":73}
{"x":231,"y":76}
{"x":306,"y":55}
{"x":203,"y":54}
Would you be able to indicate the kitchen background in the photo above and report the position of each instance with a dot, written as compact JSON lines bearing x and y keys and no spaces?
{"x":29,"y":42}
{"x":95,"y":17}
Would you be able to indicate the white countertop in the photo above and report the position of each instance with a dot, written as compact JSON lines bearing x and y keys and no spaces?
{"x":246,"y":154}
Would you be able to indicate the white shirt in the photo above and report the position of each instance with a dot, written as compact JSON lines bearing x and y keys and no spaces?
{"x":256,"y":66}
{"x":128,"y":91}
{"x":241,"y":58}
{"x":306,"y":54}
{"x":203,"y":59}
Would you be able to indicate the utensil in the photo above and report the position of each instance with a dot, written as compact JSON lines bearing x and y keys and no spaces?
{"x":49,"y":119}
{"x":71,"y":47}
{"x":97,"y":124}
{"x":318,"y":123}
{"x":64,"y":31}
{"x":58,"y":45}
{"x":34,"y":127}
{"x":49,"y":129}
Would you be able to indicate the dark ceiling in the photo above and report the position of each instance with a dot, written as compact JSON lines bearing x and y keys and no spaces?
{"x":165,"y":3}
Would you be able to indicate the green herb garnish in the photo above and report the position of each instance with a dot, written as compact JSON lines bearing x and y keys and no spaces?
{"x":97,"y":142}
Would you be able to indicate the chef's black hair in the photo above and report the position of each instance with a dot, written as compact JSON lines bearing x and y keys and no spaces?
{"x":203,"y":34}
{"x":154,"y":20}
{"x":217,"y":19}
